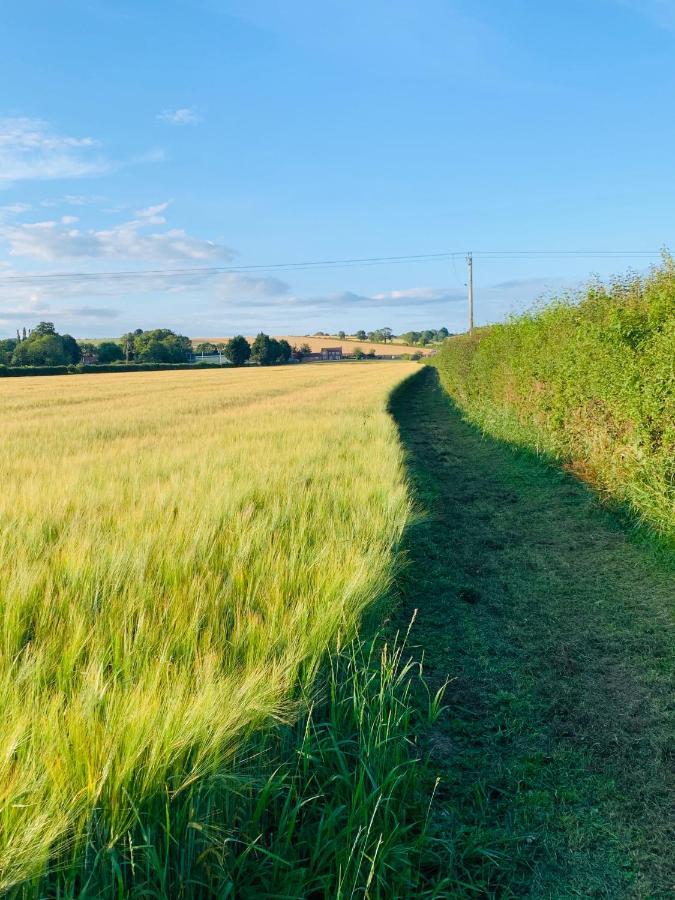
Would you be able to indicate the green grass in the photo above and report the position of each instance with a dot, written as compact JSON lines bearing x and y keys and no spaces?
{"x":588,"y":379}
{"x":336,"y":805}
{"x":554,"y":625}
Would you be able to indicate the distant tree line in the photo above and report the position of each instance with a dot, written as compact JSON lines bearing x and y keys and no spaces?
{"x":422,"y":338}
{"x":44,"y":346}
{"x":386,"y":335}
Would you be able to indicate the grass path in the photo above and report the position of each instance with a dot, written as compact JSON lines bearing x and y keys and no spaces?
{"x":555,"y":627}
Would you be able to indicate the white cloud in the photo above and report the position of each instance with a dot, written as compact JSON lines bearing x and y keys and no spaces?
{"x":152,"y":215}
{"x":36,"y":309}
{"x":31,"y":150}
{"x":186,"y":115}
{"x":53,"y":241}
{"x":74,"y":200}
{"x":344,"y":300}
{"x":10,"y":210}
{"x":422,"y":296}
{"x":232,"y":286}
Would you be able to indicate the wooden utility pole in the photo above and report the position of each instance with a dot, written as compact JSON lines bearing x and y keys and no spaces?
{"x":469,"y":284}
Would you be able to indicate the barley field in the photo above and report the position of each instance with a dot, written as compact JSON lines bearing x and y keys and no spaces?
{"x":348,"y":344}
{"x":178,"y":552}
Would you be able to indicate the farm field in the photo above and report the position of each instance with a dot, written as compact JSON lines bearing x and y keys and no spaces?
{"x":349,"y":344}
{"x":178,"y":552}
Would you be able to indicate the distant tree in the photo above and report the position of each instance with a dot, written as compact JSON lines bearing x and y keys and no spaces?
{"x":42,"y":350}
{"x":261,"y":351}
{"x":341,"y":335}
{"x":161,"y":345}
{"x":442,"y":334}
{"x":361,"y":335}
{"x":410,"y":337}
{"x":387,"y":334}
{"x":206,"y":347}
{"x":301,"y":351}
{"x":285,"y":351}
{"x":267,"y":351}
{"x":7,"y":347}
{"x":109,"y":351}
{"x":428,"y":336}
{"x":71,"y":349}
{"x":41,"y":329}
{"x":238,"y":350}
{"x":44,"y":346}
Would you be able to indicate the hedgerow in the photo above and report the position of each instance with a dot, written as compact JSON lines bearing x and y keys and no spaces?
{"x":588,"y":378}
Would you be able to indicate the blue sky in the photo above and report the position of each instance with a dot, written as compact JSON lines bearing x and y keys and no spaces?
{"x":194,"y":133}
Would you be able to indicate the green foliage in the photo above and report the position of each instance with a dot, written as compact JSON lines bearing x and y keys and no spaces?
{"x":71,"y":349}
{"x":42,"y":329}
{"x":206,"y":347}
{"x":97,"y":368}
{"x":7,"y":348}
{"x":46,"y":348}
{"x":109,"y":351}
{"x":335,"y":806}
{"x":361,"y":335}
{"x":261,"y":350}
{"x":238,"y":350}
{"x":161,"y":345}
{"x":551,"y":621}
{"x":589,"y":379}
{"x":267,"y":351}
{"x":422,"y":338}
{"x":284,"y":350}
{"x":21,"y":371}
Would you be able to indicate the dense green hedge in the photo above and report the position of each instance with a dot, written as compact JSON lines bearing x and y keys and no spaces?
{"x":589,"y":379}
{"x":18,"y":371}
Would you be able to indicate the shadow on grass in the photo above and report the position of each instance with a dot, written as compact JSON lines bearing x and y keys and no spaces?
{"x":555,"y":626}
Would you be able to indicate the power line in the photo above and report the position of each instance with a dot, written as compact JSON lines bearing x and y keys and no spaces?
{"x":327,"y":264}
{"x":219,"y":270}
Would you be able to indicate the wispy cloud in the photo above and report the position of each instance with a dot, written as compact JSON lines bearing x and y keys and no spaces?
{"x":54,"y":241}
{"x":37,"y":309}
{"x":10,"y":210}
{"x":74,"y":200}
{"x":31,"y":150}
{"x":186,"y":115}
{"x":350,"y":300}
